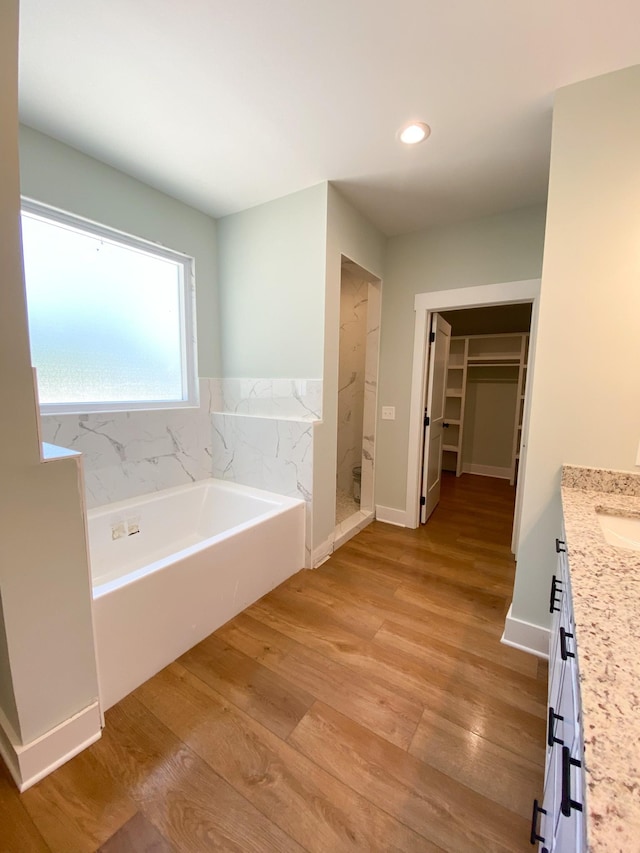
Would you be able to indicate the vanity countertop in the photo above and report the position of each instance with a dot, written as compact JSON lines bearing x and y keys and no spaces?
{"x":605,"y":585}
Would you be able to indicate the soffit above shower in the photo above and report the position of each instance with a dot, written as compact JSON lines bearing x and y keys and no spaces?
{"x":356,"y":271}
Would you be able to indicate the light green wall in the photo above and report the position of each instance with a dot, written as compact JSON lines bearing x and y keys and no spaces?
{"x":489,"y":416}
{"x":502,"y":248}
{"x":271,"y":272}
{"x":44,"y":576}
{"x":61,"y":176}
{"x":585,"y":402}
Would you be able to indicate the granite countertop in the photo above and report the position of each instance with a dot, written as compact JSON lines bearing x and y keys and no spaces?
{"x":605,"y":583}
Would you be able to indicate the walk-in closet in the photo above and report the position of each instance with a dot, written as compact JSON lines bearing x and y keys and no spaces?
{"x":485,"y":390}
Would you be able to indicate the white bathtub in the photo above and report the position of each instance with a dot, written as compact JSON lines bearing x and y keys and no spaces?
{"x":201,"y":554}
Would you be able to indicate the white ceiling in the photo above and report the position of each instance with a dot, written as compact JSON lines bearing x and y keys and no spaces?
{"x":225,"y":104}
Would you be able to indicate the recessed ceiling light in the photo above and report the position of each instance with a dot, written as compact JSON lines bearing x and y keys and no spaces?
{"x":415,"y":132}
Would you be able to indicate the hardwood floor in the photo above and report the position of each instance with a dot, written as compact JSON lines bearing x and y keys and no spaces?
{"x":366,"y":706}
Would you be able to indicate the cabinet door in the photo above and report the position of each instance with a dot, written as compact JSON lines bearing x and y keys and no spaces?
{"x":570,"y":828}
{"x":551,"y":801}
{"x":568,"y":837}
{"x":557,"y":664}
{"x":557,"y":601}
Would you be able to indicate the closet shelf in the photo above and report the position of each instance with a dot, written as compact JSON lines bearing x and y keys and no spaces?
{"x":493,"y":361}
{"x":504,"y":357}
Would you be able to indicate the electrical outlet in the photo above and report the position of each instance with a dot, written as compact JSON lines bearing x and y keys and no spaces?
{"x":388,"y":413}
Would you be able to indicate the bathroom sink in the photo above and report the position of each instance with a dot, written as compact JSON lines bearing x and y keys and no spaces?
{"x":619,"y":530}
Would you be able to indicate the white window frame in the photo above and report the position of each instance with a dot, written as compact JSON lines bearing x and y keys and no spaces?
{"x":187,"y":312}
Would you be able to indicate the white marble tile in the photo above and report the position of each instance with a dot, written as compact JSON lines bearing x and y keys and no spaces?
{"x":284,"y":399}
{"x":131,"y":453}
{"x":266,"y":453}
{"x":127,"y":454}
{"x":370,"y":396}
{"x":351,"y":378}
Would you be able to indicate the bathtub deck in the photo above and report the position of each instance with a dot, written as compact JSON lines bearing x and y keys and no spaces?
{"x":367,"y":705}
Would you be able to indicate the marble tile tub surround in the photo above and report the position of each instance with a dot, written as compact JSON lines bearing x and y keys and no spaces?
{"x":605,"y":585}
{"x":264,"y":452}
{"x":284,"y":399}
{"x":127,"y":454}
{"x":268,"y":453}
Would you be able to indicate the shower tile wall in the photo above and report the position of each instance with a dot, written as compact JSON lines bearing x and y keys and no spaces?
{"x":370,"y":394}
{"x":351,"y":378}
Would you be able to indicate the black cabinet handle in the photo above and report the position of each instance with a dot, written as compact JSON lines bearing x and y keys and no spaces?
{"x":551,"y":738}
{"x":556,"y":587}
{"x":561,"y":546}
{"x":534,"y":823}
{"x":564,"y":653}
{"x":567,"y":803}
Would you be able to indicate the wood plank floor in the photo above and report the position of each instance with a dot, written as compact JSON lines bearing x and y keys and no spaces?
{"x":365,"y":706}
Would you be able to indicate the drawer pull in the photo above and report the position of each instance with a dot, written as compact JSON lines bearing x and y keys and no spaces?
{"x":561,"y":546}
{"x":556,"y":590}
{"x":551,"y":738}
{"x":564,"y":653}
{"x":534,"y":823}
{"x":567,"y":762}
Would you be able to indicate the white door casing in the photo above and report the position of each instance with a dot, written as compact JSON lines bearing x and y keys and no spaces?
{"x":438,"y":357}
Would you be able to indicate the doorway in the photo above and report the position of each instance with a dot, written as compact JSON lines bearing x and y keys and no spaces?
{"x":426,"y":305}
{"x":357,"y":398}
{"x":485,"y":386}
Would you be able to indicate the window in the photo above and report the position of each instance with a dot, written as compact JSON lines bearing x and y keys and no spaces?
{"x":110,"y":316}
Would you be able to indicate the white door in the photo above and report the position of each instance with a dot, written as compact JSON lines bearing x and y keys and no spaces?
{"x":438,"y":359}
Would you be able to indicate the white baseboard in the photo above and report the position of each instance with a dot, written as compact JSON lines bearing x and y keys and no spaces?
{"x":31,"y":762}
{"x":486,"y":470}
{"x":525,"y":636}
{"x":7,"y":751}
{"x":390,"y":515}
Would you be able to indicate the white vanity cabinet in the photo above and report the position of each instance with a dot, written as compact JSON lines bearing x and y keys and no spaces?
{"x":558,"y":824}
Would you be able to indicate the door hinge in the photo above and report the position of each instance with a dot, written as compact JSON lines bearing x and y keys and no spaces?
{"x":426,"y":418}
{"x":432,"y":337}
{"x":423,"y":501}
